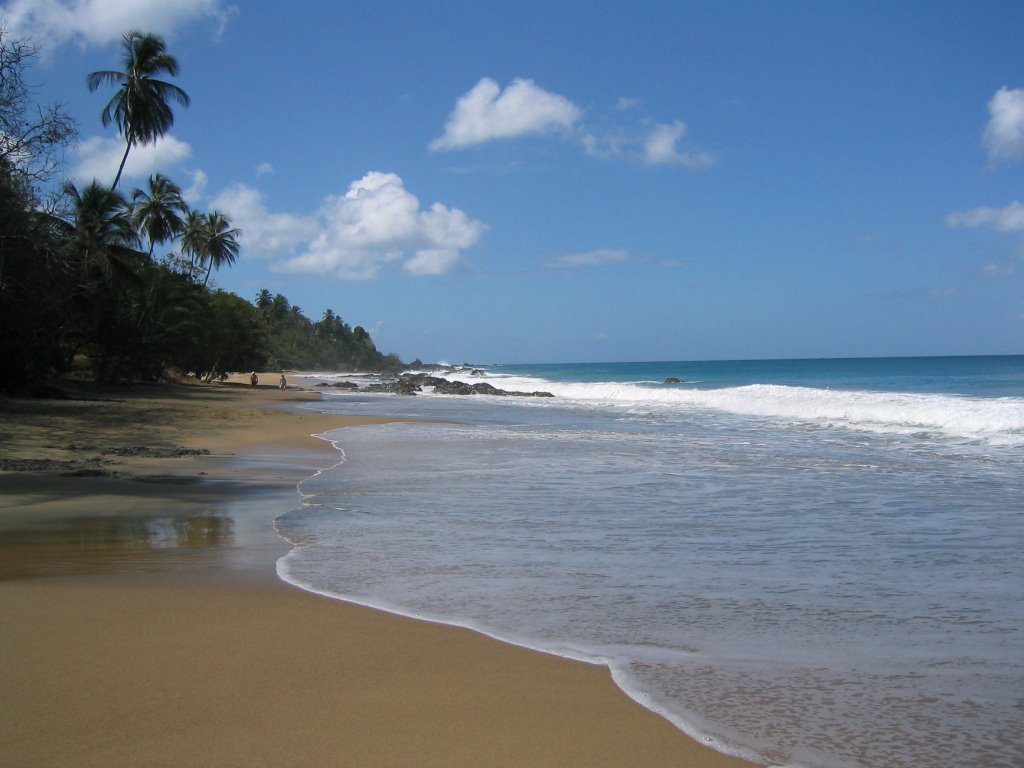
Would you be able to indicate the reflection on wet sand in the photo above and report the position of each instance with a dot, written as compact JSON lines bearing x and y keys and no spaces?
{"x":97,"y":544}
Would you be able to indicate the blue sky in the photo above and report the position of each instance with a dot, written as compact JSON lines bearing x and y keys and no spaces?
{"x":592,"y":181}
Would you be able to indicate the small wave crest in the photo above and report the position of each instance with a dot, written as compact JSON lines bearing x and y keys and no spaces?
{"x":994,"y":421}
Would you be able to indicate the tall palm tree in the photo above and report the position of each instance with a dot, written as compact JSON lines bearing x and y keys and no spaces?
{"x":193,"y":237}
{"x":158,"y":213}
{"x":211,"y":240}
{"x":141,"y":106}
{"x":221,"y":243}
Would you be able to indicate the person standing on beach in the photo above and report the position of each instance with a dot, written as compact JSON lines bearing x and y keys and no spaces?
{"x":284,"y":382}
{"x":254,"y":379}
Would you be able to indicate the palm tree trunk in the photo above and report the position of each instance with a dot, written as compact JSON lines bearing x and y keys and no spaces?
{"x":120,"y":168}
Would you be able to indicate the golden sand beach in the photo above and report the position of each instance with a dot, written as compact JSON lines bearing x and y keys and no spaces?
{"x":143,"y":623}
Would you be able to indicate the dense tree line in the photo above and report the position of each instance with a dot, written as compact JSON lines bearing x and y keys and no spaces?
{"x":80,"y":282}
{"x":330,"y":344}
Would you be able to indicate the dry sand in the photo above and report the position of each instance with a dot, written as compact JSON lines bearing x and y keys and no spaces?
{"x":141,"y":623}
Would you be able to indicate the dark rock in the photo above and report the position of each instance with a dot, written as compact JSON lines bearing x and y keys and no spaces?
{"x":90,"y":472}
{"x":453,"y":388}
{"x":142,"y":450}
{"x":422,"y":379}
{"x":411,"y":383}
{"x":400,"y":387}
{"x":673,"y":380}
{"x":156,"y":453}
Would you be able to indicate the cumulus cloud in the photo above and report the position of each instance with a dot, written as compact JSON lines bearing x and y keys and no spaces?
{"x":1008,"y":219}
{"x":264,"y":169}
{"x":605,"y":145}
{"x":1004,"y":133}
{"x":589,"y":258}
{"x":51,"y":23}
{"x":99,"y":157}
{"x":378,"y":222}
{"x":486,"y":113}
{"x":263,"y":233}
{"x":195,"y":191}
{"x":660,"y":148}
{"x":433,"y":261}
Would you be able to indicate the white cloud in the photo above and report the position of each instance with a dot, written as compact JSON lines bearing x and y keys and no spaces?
{"x":99,"y":158}
{"x":660,"y":148}
{"x":998,"y":270}
{"x":487,"y":113}
{"x":197,"y":189}
{"x":1008,"y":219}
{"x":589,"y":258}
{"x":263,"y":233}
{"x":433,"y":261}
{"x":264,"y":169}
{"x":605,"y":146}
{"x":1004,"y":134}
{"x":50,"y":23}
{"x":378,"y":222}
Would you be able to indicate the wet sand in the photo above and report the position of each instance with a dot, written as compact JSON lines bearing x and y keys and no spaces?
{"x":143,"y":623}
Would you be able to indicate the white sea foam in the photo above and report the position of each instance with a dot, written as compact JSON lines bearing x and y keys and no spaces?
{"x":997,"y":421}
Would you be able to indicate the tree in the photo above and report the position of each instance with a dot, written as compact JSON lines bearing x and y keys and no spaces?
{"x":141,"y":106}
{"x":101,"y":235}
{"x":221,"y":242}
{"x":101,"y":244}
{"x":158,"y":213}
{"x":264,"y":300}
{"x":31,"y":136}
{"x":211,"y":240}
{"x":35,"y":292}
{"x":193,"y":237}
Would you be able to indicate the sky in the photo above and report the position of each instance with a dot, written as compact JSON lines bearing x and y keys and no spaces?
{"x":567,"y":181}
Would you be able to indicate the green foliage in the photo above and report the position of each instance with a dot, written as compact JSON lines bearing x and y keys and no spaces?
{"x":330,"y":344}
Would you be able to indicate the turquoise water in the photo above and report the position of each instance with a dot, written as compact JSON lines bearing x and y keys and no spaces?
{"x":990,"y":376}
{"x":812,"y":563}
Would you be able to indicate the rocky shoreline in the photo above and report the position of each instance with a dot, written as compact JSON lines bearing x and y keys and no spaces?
{"x":412,"y":383}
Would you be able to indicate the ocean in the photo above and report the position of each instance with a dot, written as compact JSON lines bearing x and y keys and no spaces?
{"x":812,"y":563}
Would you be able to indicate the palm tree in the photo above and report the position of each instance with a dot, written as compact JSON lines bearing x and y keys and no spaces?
{"x":193,"y":237}
{"x":264,"y":300}
{"x":222,"y":242}
{"x":157,"y":213}
{"x":101,"y":235}
{"x":141,"y":106}
{"x":102,"y":248}
{"x":211,"y":240}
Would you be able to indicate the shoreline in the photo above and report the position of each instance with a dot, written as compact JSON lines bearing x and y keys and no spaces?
{"x":148,"y":624}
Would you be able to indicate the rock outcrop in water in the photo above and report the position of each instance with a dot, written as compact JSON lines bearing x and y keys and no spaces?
{"x":411,"y":383}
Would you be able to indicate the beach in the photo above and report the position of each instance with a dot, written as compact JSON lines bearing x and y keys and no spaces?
{"x":144,"y":623}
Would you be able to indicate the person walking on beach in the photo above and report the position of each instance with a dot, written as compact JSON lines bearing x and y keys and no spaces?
{"x":254,"y":379}
{"x":284,"y":382}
